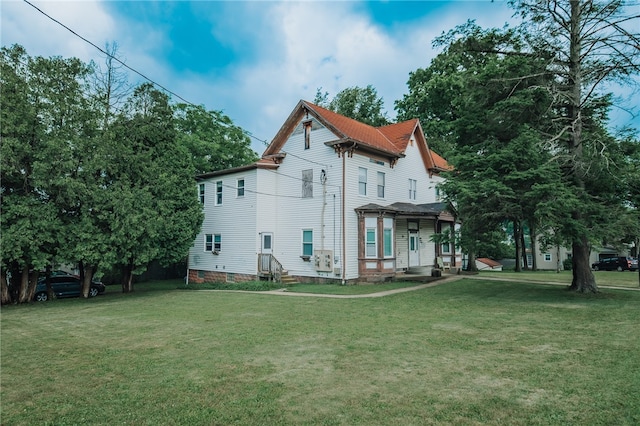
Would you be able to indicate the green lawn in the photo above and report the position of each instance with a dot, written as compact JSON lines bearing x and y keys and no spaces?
{"x":603,"y":278}
{"x":467,"y":352}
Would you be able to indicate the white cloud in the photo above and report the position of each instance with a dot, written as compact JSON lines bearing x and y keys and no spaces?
{"x":24,"y":25}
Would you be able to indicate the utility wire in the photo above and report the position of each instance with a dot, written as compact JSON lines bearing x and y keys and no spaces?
{"x":111,"y":56}
{"x":131,"y":68}
{"x":152,"y":81}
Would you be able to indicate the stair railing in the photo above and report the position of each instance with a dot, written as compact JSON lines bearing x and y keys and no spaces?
{"x":268,"y":264}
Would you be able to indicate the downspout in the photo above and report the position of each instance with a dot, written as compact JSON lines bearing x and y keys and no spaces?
{"x":344,"y":181}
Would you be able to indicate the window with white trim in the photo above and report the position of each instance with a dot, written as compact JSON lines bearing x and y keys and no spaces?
{"x":446,"y":232}
{"x":218,"y":193}
{"x":413,"y":186}
{"x":387,"y":237}
{"x":307,"y":242}
{"x":371,"y":244}
{"x":217,"y":242}
{"x":201,"y":192}
{"x":381,"y":184}
{"x":208,"y":242}
{"x":547,"y":257}
{"x":240,"y":188}
{"x":362,"y":181}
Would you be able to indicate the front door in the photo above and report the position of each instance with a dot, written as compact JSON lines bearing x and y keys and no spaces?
{"x":414,"y":249}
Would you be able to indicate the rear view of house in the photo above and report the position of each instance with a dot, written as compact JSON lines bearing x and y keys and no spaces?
{"x":330,"y":199}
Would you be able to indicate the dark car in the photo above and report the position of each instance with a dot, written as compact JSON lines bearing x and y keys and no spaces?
{"x":619,"y":263}
{"x":65,"y":286}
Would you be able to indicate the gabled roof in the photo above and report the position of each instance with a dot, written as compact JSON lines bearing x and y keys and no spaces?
{"x":389,"y":141}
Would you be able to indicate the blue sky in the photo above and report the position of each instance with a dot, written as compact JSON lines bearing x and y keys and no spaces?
{"x":254,"y":60}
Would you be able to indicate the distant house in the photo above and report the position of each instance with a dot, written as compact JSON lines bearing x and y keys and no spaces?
{"x":330,"y":199}
{"x":486,"y":264}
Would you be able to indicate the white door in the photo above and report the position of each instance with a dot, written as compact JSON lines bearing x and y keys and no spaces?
{"x":266,"y":247}
{"x":414,"y":249}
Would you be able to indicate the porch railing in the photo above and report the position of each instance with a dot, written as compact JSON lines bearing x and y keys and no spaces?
{"x":269,"y":266}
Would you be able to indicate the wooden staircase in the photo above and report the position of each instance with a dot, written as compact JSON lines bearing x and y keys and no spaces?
{"x":287,"y":279}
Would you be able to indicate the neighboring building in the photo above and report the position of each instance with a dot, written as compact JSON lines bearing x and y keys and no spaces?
{"x":486,"y":264}
{"x":331,"y":199}
{"x":553,"y":258}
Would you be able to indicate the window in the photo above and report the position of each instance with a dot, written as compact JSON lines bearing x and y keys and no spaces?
{"x":362,"y":181}
{"x":387,"y":236}
{"x":307,"y":242}
{"x":380,"y":184}
{"x":212,"y":242}
{"x":218,"y":192}
{"x":217,"y":242}
{"x":371,"y":247}
{"x":446,"y":234}
{"x":240,"y":188}
{"x":201,"y":192}
{"x":307,"y":134}
{"x":413,"y":185}
{"x":547,"y":257}
{"x":307,"y":183}
{"x":208,"y":242}
{"x":438,"y":194}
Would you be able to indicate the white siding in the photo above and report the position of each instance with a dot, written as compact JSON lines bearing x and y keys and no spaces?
{"x":321,"y":213}
{"x":273,"y":203}
{"x":234,"y":220}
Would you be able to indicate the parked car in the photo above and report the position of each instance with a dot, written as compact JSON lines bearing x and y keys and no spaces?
{"x":619,"y":263}
{"x":65,"y":286}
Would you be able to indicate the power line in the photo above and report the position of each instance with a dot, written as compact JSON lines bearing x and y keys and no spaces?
{"x":108,"y":54}
{"x":247,"y":133}
{"x":131,"y":68}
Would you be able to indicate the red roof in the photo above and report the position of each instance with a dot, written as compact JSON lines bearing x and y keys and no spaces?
{"x":392,"y":139}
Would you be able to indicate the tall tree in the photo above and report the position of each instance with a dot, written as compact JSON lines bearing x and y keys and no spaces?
{"x":362,"y":104}
{"x":589,"y":44}
{"x":157,"y":214}
{"x":44,"y":116}
{"x":211,"y":138}
{"x":482,"y":112}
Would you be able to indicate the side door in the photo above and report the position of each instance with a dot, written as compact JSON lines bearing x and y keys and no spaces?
{"x":266,"y":250}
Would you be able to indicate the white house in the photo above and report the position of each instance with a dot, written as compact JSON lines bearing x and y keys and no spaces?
{"x":330,"y":199}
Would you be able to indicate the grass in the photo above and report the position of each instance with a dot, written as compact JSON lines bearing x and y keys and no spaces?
{"x":603,"y":278}
{"x":468,"y":352}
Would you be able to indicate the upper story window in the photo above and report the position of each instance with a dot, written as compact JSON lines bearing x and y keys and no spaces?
{"x":307,"y":134}
{"x":218,"y":193}
{"x":380,"y":184}
{"x":362,"y":181}
{"x":201,"y":192}
{"x":413,"y":185}
{"x":240,"y":188}
{"x":307,"y":183}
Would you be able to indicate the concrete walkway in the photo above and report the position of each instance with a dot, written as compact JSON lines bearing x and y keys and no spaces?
{"x":285,"y":292}
{"x":444,"y":280}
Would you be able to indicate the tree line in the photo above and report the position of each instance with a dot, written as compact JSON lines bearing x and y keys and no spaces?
{"x":99,"y":174}
{"x":522,"y":113}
